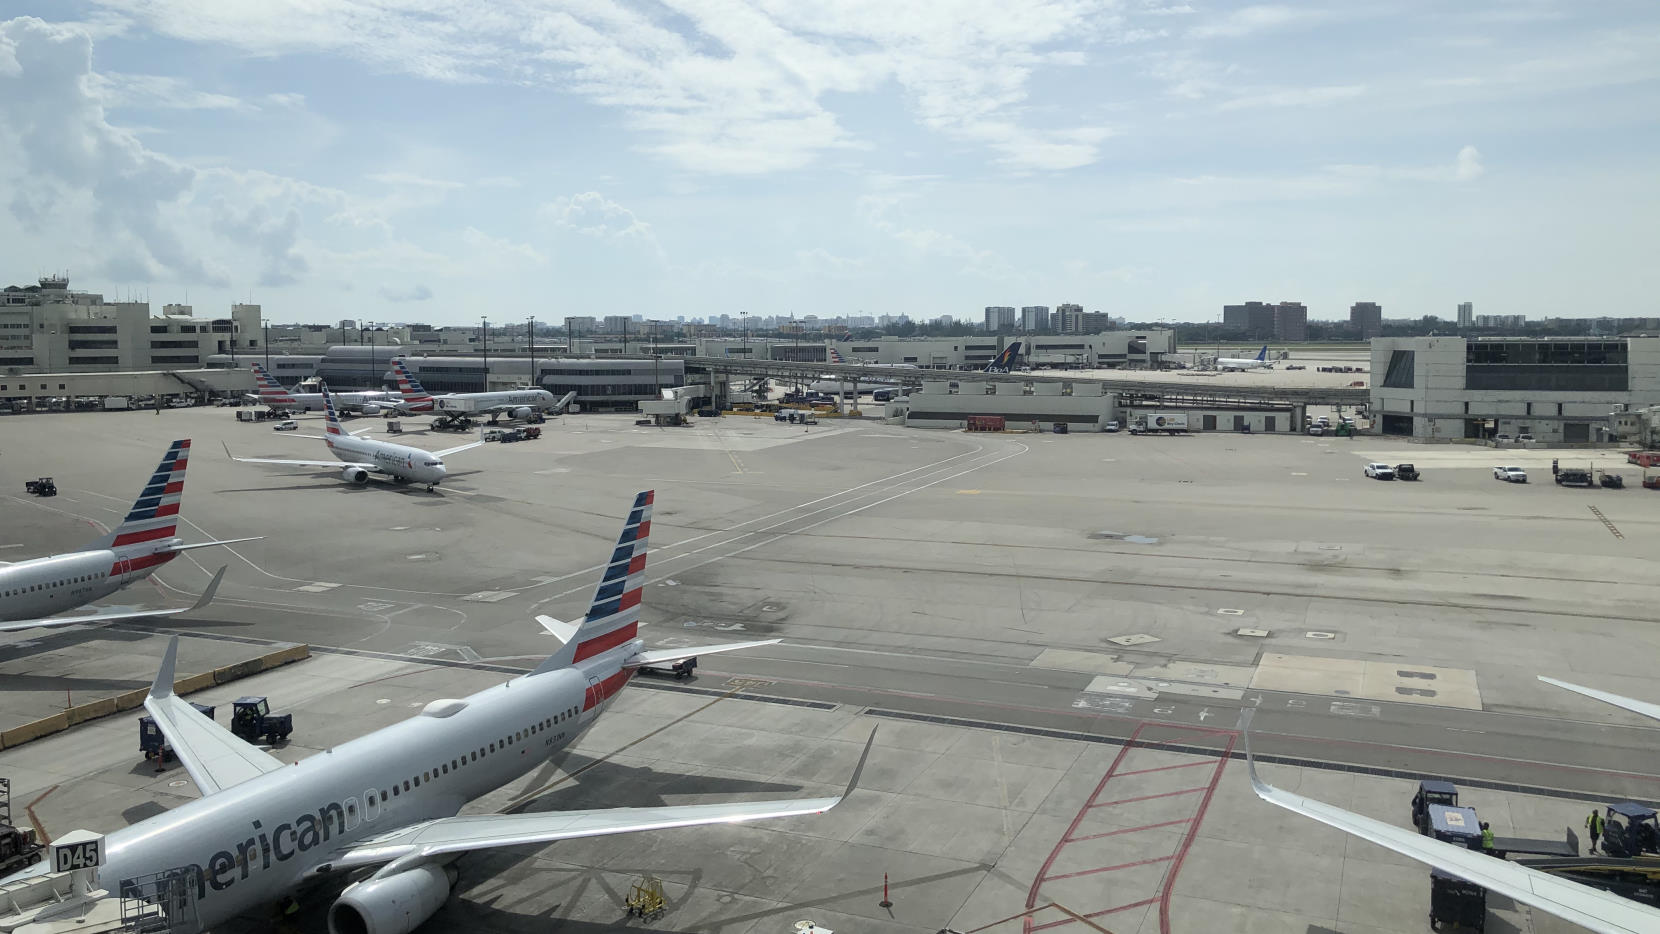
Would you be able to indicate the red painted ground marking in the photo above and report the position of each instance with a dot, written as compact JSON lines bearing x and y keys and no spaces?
{"x":1091,"y":872}
{"x":1097,"y":914}
{"x":1114,"y":833}
{"x":1162,"y":794}
{"x":1161,"y":894}
{"x":1164,"y":768}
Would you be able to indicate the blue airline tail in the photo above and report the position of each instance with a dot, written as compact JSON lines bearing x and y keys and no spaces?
{"x":1004,"y":362}
{"x":1262,"y":355}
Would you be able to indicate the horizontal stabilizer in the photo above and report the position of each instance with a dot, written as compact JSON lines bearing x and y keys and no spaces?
{"x":665,"y":656}
{"x":561,"y":630}
{"x":228,"y":541}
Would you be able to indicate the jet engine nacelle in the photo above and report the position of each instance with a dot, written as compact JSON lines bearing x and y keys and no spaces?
{"x":355,"y":475}
{"x":523,"y":411}
{"x":397,"y":904}
{"x":370,"y":409}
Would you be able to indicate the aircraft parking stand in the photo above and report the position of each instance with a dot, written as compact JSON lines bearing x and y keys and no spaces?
{"x":1011,"y":609}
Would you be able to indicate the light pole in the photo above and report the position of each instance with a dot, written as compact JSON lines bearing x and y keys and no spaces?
{"x":531,"y":333}
{"x":265,"y":328}
{"x":484,"y":333}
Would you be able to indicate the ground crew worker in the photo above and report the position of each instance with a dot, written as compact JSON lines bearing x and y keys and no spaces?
{"x":1594,"y":825}
{"x":1486,"y":838}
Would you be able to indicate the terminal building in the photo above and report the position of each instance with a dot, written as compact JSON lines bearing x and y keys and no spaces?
{"x":1561,"y":390}
{"x":47,"y":328}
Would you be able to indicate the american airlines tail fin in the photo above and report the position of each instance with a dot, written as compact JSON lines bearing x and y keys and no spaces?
{"x":1262,"y":355}
{"x":155,"y":514}
{"x":1004,"y":362}
{"x":415,"y":396}
{"x":270,"y":391}
{"x":333,"y":417}
{"x":614,"y":614}
{"x":836,"y":357}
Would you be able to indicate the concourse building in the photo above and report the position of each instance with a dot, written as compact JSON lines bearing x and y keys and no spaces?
{"x":1559,"y":390}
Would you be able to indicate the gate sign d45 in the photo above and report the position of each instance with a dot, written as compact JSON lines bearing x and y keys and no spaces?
{"x":81,"y":849}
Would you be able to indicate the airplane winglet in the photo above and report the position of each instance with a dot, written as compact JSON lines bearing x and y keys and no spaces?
{"x":164,"y":677}
{"x":859,"y":769}
{"x":1257,"y":785}
{"x":212,"y":588}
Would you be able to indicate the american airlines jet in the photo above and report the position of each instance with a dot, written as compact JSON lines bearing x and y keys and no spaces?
{"x":364,"y":456}
{"x":271,"y":393}
{"x":513,"y":403}
{"x":30,"y":591}
{"x":386,"y":805}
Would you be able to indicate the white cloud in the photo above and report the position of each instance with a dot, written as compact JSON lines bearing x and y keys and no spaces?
{"x":594,"y":215}
{"x":1294,"y":97}
{"x":1468,"y":165}
{"x":116,"y":90}
{"x":1254,"y":19}
{"x":406,"y":293}
{"x":499,"y":250}
{"x":718,"y":87}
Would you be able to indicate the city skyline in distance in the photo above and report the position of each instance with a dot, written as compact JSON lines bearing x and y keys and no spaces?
{"x":1150,"y":161}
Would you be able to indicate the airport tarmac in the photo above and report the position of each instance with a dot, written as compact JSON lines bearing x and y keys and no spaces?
{"x":969,"y":825}
{"x":1081,"y":585}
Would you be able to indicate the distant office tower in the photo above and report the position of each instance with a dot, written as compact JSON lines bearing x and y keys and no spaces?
{"x":1000,"y":317}
{"x":1367,"y":318}
{"x":617,"y":324}
{"x":1034,"y":318}
{"x":1466,"y":314}
{"x":1290,"y":321}
{"x":1072,"y":319}
{"x":1507,"y":322}
{"x":1254,"y":319}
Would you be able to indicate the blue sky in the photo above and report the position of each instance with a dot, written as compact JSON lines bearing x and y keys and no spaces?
{"x":439,"y":160}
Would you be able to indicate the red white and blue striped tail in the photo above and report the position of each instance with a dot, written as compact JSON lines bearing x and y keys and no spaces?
{"x":836,"y":356}
{"x":333,"y":416}
{"x":613,"y":619}
{"x":155,"y":514}
{"x":270,"y":391}
{"x":414,"y":394}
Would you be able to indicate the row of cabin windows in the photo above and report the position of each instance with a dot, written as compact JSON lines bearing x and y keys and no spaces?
{"x":480,"y":753}
{"x":33,"y":588}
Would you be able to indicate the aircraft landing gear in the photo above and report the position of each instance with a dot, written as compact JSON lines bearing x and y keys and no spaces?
{"x":430,"y":487}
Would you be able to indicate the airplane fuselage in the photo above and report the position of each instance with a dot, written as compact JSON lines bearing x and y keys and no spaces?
{"x":313,"y":401}
{"x":397,"y":460}
{"x":1227,"y":363}
{"x":250,"y":844}
{"x":44,"y":586}
{"x":485,"y":402}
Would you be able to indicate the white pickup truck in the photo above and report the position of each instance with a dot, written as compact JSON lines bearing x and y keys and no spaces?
{"x":1510,"y":474}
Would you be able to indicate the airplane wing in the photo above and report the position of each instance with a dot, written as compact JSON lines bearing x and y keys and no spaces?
{"x":458,"y":449}
{"x":1635,"y":706}
{"x":299,"y":463}
{"x":410,"y":846}
{"x":228,"y":541}
{"x":110,"y":616}
{"x":664,"y":656}
{"x":215,"y":758}
{"x":1594,"y":909}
